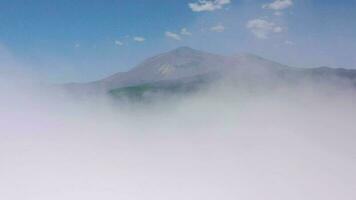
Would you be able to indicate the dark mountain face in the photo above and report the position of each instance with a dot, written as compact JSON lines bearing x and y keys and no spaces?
{"x":186,"y":68}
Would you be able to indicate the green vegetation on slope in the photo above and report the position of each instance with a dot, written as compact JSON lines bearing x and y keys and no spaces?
{"x":132,"y":92}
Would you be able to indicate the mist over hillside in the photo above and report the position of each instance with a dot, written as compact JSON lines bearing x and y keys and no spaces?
{"x":257,"y":138}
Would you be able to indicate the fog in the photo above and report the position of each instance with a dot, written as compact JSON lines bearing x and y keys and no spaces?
{"x":224,"y":143}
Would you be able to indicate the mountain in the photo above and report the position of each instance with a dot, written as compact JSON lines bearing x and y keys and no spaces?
{"x":186,"y":69}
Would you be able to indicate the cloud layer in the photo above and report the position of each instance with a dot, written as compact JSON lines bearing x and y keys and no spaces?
{"x":217,"y":145}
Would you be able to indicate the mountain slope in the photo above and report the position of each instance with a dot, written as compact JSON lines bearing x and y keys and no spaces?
{"x":186,"y":66}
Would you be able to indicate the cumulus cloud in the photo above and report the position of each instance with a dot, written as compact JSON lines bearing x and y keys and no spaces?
{"x":278,"y":5}
{"x":118,"y":43}
{"x":184,"y":31}
{"x":218,"y":28}
{"x":262,"y":28}
{"x":208,"y":5}
{"x":139,"y":39}
{"x":172,"y":35}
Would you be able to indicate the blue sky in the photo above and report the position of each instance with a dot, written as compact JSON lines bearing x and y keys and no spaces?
{"x":83,"y":40}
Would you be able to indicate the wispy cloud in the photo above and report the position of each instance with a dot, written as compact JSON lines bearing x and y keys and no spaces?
{"x":184,"y":31}
{"x":208,"y":5}
{"x":262,"y":28}
{"x":288,"y":42}
{"x":278,"y":13}
{"x":118,"y":43}
{"x":139,"y":39}
{"x":172,"y":35}
{"x":218,"y":28}
{"x":278,"y":5}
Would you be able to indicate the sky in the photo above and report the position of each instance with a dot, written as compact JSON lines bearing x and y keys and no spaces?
{"x":85,"y":40}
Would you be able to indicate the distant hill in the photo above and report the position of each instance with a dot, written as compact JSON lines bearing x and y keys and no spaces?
{"x":185,"y":70}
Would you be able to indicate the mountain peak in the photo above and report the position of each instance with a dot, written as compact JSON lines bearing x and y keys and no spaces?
{"x":185,"y":50}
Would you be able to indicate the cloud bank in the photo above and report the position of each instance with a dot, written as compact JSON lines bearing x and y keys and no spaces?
{"x":224,"y":143}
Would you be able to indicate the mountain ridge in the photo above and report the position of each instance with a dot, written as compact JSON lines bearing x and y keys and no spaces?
{"x":185,"y":62}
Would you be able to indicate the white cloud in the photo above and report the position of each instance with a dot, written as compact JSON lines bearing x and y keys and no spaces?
{"x":119,"y":43}
{"x":218,"y":28}
{"x":208,"y":5}
{"x":262,"y":28}
{"x":77,"y":45}
{"x":184,"y":31}
{"x":139,"y":39}
{"x":172,"y":35}
{"x":278,"y":5}
{"x":278,"y":13}
{"x":288,"y":42}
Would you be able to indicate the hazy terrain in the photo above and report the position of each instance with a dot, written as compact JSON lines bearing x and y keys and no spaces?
{"x":225,"y":141}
